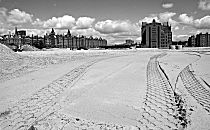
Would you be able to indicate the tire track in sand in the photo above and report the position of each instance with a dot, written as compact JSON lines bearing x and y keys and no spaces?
{"x":41,"y":110}
{"x":195,"y":88}
{"x":159,"y":104}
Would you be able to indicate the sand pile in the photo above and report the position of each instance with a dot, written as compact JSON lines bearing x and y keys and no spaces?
{"x":29,"y":48}
{"x":8,"y":59}
{"x":7,"y":54}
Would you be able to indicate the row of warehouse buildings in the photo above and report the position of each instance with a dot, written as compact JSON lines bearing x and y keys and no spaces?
{"x":53,"y":40}
{"x":74,"y":42}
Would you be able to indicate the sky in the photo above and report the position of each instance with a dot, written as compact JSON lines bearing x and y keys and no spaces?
{"x":114,"y":20}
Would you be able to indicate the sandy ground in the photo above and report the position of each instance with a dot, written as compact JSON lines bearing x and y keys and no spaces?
{"x":111,"y":91}
{"x":100,"y":89}
{"x":27,"y":84}
{"x":191,"y":84}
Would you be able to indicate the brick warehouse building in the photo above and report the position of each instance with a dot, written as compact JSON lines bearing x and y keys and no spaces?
{"x":156,"y":35}
{"x":73,"y":42}
{"x":59,"y":41}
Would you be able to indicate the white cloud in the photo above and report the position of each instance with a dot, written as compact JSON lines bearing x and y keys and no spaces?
{"x":138,"y":39}
{"x":204,"y":4}
{"x":83,"y":26}
{"x":19,"y":17}
{"x":203,"y":23}
{"x":84,"y":22}
{"x":65,"y":21}
{"x":87,"y":32}
{"x":162,"y":17}
{"x":3,"y":30}
{"x":166,"y":16}
{"x":12,"y":18}
{"x":110,"y":26}
{"x":176,"y":28}
{"x":39,"y":32}
{"x":149,"y":19}
{"x":121,"y":37}
{"x":38,"y":23}
{"x":167,"y":5}
{"x":3,"y":11}
{"x":118,"y":31}
{"x":3,"y":16}
{"x":129,"y":35}
{"x":186,"y":19}
{"x":180,"y":37}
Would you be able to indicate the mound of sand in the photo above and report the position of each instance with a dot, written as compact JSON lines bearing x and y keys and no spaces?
{"x":7,"y":54}
{"x":8,"y":59}
{"x":29,"y":48}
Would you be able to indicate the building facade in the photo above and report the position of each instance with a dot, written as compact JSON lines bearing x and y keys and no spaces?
{"x":53,"y":40}
{"x":200,"y":40}
{"x":73,"y":42}
{"x":192,"y":41}
{"x":203,"y":40}
{"x":156,"y":35}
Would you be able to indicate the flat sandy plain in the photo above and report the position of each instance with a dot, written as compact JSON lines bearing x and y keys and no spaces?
{"x":106,"y":89}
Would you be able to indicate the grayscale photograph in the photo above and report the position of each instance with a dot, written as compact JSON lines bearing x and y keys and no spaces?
{"x":104,"y":64}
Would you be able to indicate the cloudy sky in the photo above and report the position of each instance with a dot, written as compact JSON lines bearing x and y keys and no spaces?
{"x":114,"y":20}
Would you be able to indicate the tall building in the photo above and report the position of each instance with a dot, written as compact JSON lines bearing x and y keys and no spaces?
{"x":191,"y":41}
{"x":156,"y":35}
{"x":203,"y":40}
